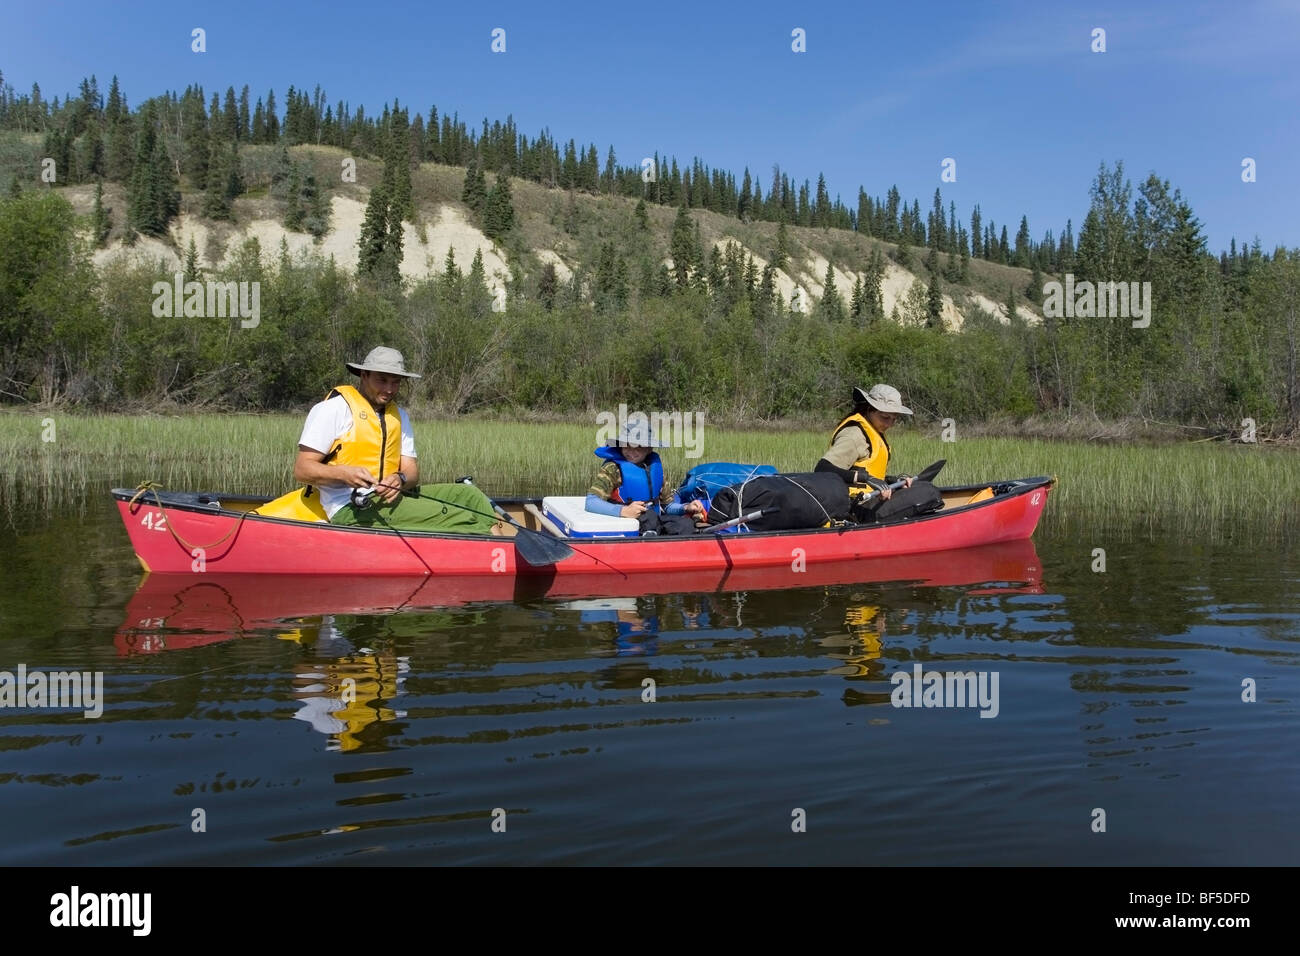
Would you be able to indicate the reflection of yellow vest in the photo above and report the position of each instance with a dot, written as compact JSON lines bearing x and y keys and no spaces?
{"x":877,"y":460}
{"x":376,"y":678}
{"x":361,"y":685}
{"x":374,"y":441}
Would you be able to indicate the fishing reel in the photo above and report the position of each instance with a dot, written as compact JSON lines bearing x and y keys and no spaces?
{"x":363,"y":497}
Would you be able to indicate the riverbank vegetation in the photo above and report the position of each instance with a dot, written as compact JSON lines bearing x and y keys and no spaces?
{"x":1209,"y":487}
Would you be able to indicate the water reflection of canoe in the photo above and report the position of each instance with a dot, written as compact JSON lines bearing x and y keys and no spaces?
{"x":186,"y":532}
{"x":171,"y":611}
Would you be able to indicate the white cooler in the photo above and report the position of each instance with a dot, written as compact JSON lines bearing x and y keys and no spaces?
{"x":573,"y":518}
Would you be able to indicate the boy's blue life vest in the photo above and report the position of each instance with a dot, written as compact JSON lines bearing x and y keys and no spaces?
{"x":642,"y":482}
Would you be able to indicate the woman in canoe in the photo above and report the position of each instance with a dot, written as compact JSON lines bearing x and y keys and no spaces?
{"x":630,"y":484}
{"x":859,"y":453}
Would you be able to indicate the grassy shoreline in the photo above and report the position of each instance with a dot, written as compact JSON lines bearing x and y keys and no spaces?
{"x":1081,"y":428}
{"x":1207,"y":483}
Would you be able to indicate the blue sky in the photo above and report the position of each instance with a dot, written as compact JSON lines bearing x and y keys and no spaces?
{"x":885,"y":91}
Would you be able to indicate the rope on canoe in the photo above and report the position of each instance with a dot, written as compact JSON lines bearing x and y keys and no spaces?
{"x":740,"y":494}
{"x":151,"y":487}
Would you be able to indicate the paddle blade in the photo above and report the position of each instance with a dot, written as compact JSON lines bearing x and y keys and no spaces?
{"x":929,"y":473}
{"x":538,"y":549}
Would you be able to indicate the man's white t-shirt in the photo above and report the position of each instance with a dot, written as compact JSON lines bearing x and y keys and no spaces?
{"x":330,"y":420}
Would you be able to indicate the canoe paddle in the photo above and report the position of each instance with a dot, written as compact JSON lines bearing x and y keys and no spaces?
{"x":534,"y":547}
{"x":752,"y":516}
{"x":927,"y":475}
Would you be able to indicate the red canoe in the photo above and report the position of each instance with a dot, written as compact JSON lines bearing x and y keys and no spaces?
{"x":176,"y":611}
{"x":193,"y":533}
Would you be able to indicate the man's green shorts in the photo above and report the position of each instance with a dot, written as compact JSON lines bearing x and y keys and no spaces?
{"x":453,"y":511}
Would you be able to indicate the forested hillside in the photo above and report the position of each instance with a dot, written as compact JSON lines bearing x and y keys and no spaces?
{"x":522,"y":272}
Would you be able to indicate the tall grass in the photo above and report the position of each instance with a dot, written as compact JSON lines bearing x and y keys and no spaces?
{"x":1207,"y":486}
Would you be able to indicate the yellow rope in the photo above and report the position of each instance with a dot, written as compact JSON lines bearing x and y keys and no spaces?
{"x":147,"y":487}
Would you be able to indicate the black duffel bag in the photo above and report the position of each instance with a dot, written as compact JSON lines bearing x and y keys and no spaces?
{"x":921,"y":499}
{"x":806,"y":500}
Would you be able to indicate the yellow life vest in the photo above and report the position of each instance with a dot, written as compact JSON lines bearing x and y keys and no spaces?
{"x":374,"y":442}
{"x":375,"y":438}
{"x":877,"y":460}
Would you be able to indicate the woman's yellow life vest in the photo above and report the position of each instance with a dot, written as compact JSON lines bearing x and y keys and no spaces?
{"x":374,"y":442}
{"x":877,"y":460}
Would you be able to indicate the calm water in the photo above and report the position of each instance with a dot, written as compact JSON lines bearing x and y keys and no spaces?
{"x":1118,"y":691}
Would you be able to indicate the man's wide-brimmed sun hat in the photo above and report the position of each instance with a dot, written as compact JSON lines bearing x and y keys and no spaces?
{"x":382,"y":359}
{"x":636,"y":432}
{"x":883,"y":398}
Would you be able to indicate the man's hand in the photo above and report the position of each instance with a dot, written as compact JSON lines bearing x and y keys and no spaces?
{"x":390,"y":489}
{"x":696,"y":510}
{"x":633,"y":510}
{"x":353,"y":476}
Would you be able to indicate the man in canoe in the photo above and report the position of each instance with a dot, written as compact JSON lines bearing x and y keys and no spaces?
{"x":358,"y":438}
{"x":859,"y":454}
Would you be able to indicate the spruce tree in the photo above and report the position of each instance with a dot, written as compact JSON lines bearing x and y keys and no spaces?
{"x":1024,"y":245}
{"x":101,"y":218}
{"x":499,"y":214}
{"x":698,"y":254}
{"x":281,"y":172}
{"x":153,"y":198}
{"x":192,"y":273}
{"x":832,"y":306}
{"x":904,"y":252}
{"x":196,"y":150}
{"x":317,"y":221}
{"x":374,"y":233}
{"x":391,"y":269}
{"x":397,"y":166}
{"x":230,"y":117}
{"x":716,"y":275}
{"x":1034,"y":291}
{"x":934,"y":302}
{"x":244,"y":117}
{"x":782,"y":254}
{"x":293,"y":214}
{"x":639,"y":214}
{"x":681,"y":246}
{"x":474,"y":192}
{"x":822,"y":212}
{"x":216,"y":204}
{"x":476,"y":286}
{"x":873,"y":287}
{"x":937,"y":225}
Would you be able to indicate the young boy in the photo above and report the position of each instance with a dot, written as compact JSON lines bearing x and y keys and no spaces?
{"x":630,"y":484}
